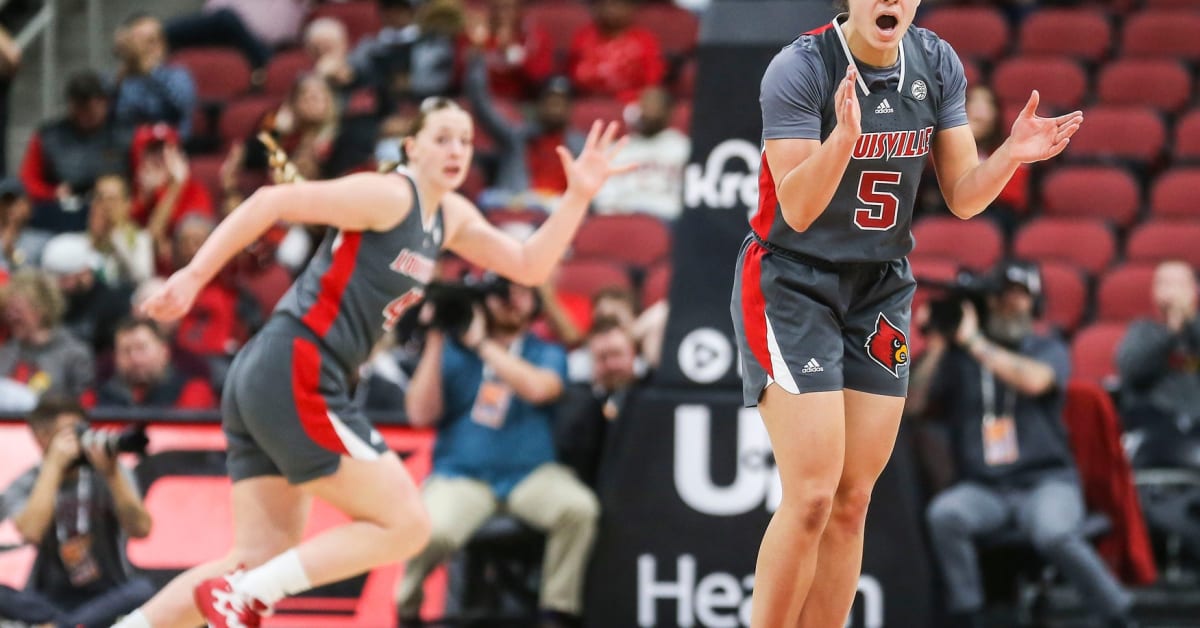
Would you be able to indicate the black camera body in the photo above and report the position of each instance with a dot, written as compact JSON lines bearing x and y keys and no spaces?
{"x":131,"y":440}
{"x":945,"y":309}
{"x":454,"y":302}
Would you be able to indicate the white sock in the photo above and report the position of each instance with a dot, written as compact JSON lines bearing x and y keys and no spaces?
{"x":134,"y":620}
{"x":278,"y":578}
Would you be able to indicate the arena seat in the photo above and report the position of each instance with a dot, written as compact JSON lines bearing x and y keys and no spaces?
{"x":1124,"y":293}
{"x":1162,"y":33}
{"x":242,"y":118}
{"x":1085,"y":242}
{"x":656,"y":286}
{"x":283,"y":70}
{"x":361,"y":17}
{"x":685,"y":84}
{"x":1084,"y":34}
{"x":975,"y":32}
{"x":681,"y":117}
{"x":975,"y":244}
{"x":220,"y":74}
{"x":1174,"y":194}
{"x":634,"y":239}
{"x":1092,"y":191}
{"x":677,"y":29}
{"x":587,"y":276}
{"x":207,"y":170}
{"x":585,"y":111}
{"x":1160,"y":83}
{"x":1094,"y":351}
{"x":1066,"y":294}
{"x":1186,"y":141}
{"x":1060,"y":81}
{"x":1160,"y":240}
{"x":1134,"y":134}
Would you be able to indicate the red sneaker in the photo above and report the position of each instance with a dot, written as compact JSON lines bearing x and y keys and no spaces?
{"x":223,"y":607}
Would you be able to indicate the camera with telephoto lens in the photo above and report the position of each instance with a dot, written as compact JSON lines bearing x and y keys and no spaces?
{"x":454,"y":302}
{"x":131,"y":440}
{"x":946,"y":308}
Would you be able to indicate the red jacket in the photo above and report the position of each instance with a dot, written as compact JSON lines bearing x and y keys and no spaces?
{"x":1095,"y":433}
{"x":620,"y":66}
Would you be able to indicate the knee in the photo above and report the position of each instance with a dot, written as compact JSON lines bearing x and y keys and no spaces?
{"x":944,"y":519}
{"x":810,"y":508}
{"x":849,"y":512}
{"x":407,"y":531}
{"x":1048,"y":540}
{"x":581,"y":511}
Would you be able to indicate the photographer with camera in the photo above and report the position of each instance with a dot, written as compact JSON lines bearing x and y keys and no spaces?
{"x":1000,"y":387}
{"x":490,"y":388}
{"x":78,"y":507}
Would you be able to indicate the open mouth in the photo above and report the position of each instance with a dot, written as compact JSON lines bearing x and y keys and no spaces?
{"x":887,"y":23}
{"x":452,"y":171}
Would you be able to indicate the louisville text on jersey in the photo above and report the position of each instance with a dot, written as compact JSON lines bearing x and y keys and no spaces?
{"x":413,"y":265}
{"x":889,"y":144}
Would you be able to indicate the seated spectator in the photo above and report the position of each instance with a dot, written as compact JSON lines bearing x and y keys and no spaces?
{"x":656,"y":186}
{"x":20,"y":244}
{"x":211,"y":328}
{"x":412,"y":56}
{"x":126,"y":250}
{"x":328,"y":45}
{"x":526,"y":151}
{"x":1159,"y":360}
{"x":65,"y":156}
{"x":613,"y":57}
{"x":186,"y":362}
{"x":40,"y":353}
{"x":519,"y":55}
{"x":147,"y":89}
{"x":491,"y":395}
{"x":78,"y":506}
{"x":145,"y":376}
{"x":164,"y":190}
{"x":93,"y":308}
{"x":1000,"y":387}
{"x":647,"y":329}
{"x":221,"y":25}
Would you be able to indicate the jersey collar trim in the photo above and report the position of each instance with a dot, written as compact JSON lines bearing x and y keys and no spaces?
{"x":837,"y":27}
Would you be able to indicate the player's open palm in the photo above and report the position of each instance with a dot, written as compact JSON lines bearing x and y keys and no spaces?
{"x":173,"y":299}
{"x":1035,"y":138}
{"x":587,"y":173}
{"x":849,"y":113}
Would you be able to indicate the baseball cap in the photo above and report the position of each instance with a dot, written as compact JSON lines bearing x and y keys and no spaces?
{"x":560,"y":85}
{"x":11,"y":186}
{"x":1020,"y":273}
{"x":69,"y":253}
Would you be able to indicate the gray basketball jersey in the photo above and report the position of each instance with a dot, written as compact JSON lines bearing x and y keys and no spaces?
{"x":870,"y":215}
{"x":359,"y":283}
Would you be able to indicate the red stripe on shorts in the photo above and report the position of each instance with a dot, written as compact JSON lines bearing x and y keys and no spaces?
{"x":306,"y":394}
{"x":321,"y":315}
{"x":754,"y":306}
{"x":767,"y":202}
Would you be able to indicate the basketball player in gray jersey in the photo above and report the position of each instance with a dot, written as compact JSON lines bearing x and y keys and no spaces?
{"x":851,"y":111}
{"x":291,"y":430}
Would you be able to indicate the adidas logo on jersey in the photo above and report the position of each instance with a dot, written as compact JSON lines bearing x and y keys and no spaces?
{"x":884,"y":107}
{"x":812,"y":367}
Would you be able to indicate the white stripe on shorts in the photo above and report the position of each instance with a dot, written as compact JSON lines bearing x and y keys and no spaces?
{"x":783,"y":376}
{"x":354,"y":445}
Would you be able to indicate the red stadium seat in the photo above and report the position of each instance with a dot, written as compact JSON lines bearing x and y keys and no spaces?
{"x":1124,"y":293}
{"x":975,"y":32}
{"x":361,"y":17}
{"x":242,"y":117}
{"x":1135,"y":134}
{"x":587,"y":110}
{"x":283,"y":70}
{"x":681,"y":117}
{"x":928,"y":272}
{"x":1161,"y":240}
{"x":1092,"y":191}
{"x":634,"y":239}
{"x":475,"y":183}
{"x":560,"y":20}
{"x":975,"y":244}
{"x":657,"y":284}
{"x":1174,"y":194}
{"x":971,"y":71}
{"x":1081,"y":33}
{"x":1170,"y":4}
{"x":1160,"y":83}
{"x":677,"y":29}
{"x":1088,"y":243}
{"x":1162,"y":33}
{"x":220,"y":73}
{"x":1061,"y":82}
{"x":1186,"y":144}
{"x":1066,"y":294}
{"x":207,"y":170}
{"x":685,"y":85}
{"x":586,"y":277}
{"x":1094,"y":352}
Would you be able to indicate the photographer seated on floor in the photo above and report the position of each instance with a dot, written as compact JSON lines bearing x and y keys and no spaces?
{"x":490,"y":388}
{"x":78,"y":506}
{"x":1000,"y":386}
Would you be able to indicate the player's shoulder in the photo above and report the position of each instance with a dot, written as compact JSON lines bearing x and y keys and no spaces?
{"x":799,"y":60}
{"x":930,"y":43}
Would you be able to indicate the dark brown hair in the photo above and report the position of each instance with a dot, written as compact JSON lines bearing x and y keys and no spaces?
{"x":605,"y":324}
{"x":50,"y":408}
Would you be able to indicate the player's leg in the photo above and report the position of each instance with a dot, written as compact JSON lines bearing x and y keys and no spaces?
{"x":269,"y":516}
{"x":807,"y":436}
{"x":872,"y":422}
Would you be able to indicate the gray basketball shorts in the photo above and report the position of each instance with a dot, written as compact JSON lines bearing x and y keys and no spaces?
{"x":813,"y":329}
{"x":286,"y":409}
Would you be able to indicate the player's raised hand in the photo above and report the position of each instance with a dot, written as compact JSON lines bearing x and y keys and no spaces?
{"x":1035,"y":138}
{"x":174,"y":298}
{"x":587,"y":173}
{"x":849,"y":114}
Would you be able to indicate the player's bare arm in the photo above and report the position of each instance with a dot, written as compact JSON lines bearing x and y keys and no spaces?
{"x":969,"y":185}
{"x":809,"y":171}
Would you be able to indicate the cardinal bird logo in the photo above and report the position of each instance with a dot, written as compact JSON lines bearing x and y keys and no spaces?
{"x":888,"y":346}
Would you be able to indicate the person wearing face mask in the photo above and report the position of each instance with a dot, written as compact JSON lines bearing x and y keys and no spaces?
{"x":291,"y":427}
{"x":656,"y":186}
{"x":1000,"y":385}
